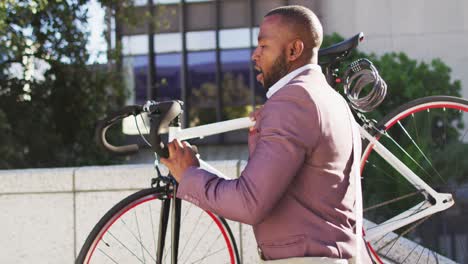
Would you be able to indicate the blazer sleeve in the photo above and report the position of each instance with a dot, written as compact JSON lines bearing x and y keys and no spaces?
{"x":288,"y":130}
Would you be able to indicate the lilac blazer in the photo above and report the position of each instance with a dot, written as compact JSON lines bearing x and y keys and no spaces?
{"x":296,"y":190}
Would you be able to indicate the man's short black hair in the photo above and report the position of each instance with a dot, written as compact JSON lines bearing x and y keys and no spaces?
{"x":304,"y":21}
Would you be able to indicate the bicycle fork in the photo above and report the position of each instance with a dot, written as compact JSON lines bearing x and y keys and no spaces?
{"x":162,"y":229}
{"x":170,"y":205}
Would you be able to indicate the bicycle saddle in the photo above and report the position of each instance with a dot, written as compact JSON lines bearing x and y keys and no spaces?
{"x":339,"y":51}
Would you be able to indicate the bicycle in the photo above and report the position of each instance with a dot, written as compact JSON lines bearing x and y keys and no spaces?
{"x":118,"y":236}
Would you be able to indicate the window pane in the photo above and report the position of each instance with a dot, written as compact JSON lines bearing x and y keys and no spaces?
{"x":201,"y":40}
{"x":169,"y":42}
{"x":138,"y":44}
{"x":168,"y":76}
{"x":234,"y":38}
{"x":237,"y":95}
{"x":135,"y":73}
{"x":255,"y":36}
{"x":260,"y":92}
{"x":202,"y":87}
{"x":167,"y":80}
{"x":234,"y":14}
{"x":145,"y":2}
{"x":140,"y":73}
{"x":135,"y":45}
{"x":235,"y":73}
{"x":166,"y":1}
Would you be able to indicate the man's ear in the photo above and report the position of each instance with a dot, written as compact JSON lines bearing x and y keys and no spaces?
{"x":295,"y":49}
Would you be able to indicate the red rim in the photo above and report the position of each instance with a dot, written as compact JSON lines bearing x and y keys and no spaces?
{"x":393,"y":121}
{"x":112,"y":223}
{"x":138,"y":202}
{"x":225,"y":235}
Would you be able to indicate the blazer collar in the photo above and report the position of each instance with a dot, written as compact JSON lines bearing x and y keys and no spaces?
{"x":288,"y":77}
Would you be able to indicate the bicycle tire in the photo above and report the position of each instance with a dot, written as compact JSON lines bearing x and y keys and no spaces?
{"x":433,"y":126}
{"x":119,"y":237}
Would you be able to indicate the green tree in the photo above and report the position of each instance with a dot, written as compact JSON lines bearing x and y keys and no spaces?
{"x":50,"y":98}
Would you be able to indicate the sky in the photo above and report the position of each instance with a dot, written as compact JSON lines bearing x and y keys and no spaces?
{"x":96,"y":44}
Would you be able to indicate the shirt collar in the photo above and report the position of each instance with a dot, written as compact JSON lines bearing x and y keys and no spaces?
{"x":288,"y":77}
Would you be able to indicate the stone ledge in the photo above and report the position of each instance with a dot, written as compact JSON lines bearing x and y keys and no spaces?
{"x":36,"y":180}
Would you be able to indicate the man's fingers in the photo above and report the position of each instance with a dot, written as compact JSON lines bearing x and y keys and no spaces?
{"x":172,"y":148}
{"x":186,"y":144}
{"x":178,"y":144}
{"x":252,"y":116}
{"x":193,"y":148}
{"x":166,"y":162}
{"x":175,"y":147}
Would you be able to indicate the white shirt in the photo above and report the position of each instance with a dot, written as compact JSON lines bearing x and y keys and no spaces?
{"x":288,"y":77}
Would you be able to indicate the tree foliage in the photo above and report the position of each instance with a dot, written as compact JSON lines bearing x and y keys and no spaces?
{"x":50,"y":98}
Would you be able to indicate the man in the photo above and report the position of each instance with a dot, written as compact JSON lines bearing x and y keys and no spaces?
{"x":297,"y":190}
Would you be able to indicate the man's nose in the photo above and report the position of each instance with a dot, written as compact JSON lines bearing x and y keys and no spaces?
{"x":254,"y":57}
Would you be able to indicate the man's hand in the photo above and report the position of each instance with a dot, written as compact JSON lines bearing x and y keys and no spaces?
{"x":254,"y":115}
{"x":181,"y":157}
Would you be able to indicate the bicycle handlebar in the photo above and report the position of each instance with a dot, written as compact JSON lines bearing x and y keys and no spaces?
{"x":112,"y":119}
{"x":162,"y":115}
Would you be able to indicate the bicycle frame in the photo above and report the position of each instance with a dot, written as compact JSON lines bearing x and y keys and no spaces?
{"x":208,"y":130}
{"x":442,"y":201}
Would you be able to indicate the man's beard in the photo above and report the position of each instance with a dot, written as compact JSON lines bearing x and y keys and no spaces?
{"x":278,"y":71}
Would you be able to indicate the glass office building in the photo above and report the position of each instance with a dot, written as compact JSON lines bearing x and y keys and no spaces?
{"x":201,"y":54}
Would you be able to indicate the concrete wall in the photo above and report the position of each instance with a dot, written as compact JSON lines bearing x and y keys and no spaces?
{"x":46,"y":214}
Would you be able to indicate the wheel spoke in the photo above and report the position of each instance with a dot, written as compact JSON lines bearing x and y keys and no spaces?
{"x":414,"y":211}
{"x":407,"y":154}
{"x":198,"y":242}
{"x":191,"y":233}
{"x":204,"y":257}
{"x":109,"y":257}
{"x":389,"y":178}
{"x":392,"y":201}
{"x":139,"y":236}
{"x":153,"y":232}
{"x":210,"y":247}
{"x":137,"y":239}
{"x":123,"y":245}
{"x":421,"y":152}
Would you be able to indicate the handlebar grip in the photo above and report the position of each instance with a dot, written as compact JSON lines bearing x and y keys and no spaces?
{"x":104,"y":124}
{"x":166,"y":113}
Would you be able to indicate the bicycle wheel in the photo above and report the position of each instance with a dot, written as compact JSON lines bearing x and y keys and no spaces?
{"x":429,"y":135}
{"x":128,"y":233}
